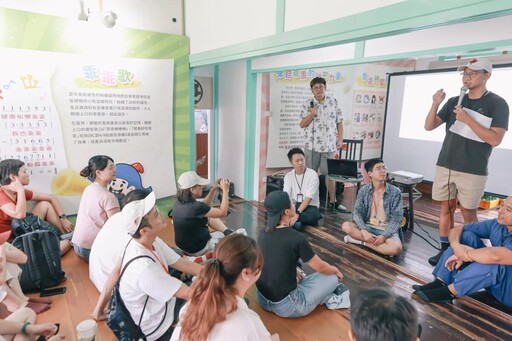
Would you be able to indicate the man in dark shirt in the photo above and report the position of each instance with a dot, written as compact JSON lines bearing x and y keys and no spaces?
{"x":282,"y":247}
{"x":461,"y":171}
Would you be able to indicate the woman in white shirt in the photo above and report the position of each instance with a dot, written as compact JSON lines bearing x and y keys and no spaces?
{"x":221,"y":285}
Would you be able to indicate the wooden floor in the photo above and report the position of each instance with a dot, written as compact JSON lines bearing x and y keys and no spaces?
{"x":476,"y":318}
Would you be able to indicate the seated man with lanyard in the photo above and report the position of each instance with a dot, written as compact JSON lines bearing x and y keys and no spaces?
{"x":468,"y":266}
{"x":302,"y":186}
{"x":377,"y":213}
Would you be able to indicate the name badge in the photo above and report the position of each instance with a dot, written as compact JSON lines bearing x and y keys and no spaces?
{"x":374,"y":221}
{"x":300,"y":197}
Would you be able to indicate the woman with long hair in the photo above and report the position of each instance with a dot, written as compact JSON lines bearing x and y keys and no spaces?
{"x":97,"y":203}
{"x":216,"y":309}
{"x":14,"y":198}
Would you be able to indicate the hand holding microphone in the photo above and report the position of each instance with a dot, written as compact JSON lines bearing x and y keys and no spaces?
{"x":460,"y":113}
{"x":312,"y":108}
{"x":463,"y":90}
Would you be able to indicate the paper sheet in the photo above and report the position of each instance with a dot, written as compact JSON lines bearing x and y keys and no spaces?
{"x":465,"y":131}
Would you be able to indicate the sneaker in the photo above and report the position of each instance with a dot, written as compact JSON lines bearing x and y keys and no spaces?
{"x":241,"y":231}
{"x":349,"y":239}
{"x":435,"y":259}
{"x":341,"y":208}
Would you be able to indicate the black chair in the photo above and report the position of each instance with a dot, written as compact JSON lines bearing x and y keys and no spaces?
{"x":353,"y":151}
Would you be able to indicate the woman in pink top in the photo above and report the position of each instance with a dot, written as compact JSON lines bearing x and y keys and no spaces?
{"x":97,"y":203}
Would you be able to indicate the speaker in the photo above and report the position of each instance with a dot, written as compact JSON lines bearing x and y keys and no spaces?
{"x":274,"y":183}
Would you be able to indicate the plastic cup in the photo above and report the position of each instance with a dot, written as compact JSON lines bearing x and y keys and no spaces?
{"x":86,"y":330}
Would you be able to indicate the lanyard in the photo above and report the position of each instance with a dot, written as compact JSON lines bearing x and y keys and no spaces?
{"x":302,"y":181}
{"x":166,"y":269}
{"x":377,"y":203}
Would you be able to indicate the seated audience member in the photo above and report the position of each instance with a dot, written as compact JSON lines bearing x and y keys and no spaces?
{"x":20,"y":325}
{"x":11,"y":294}
{"x":379,"y":315}
{"x":467,"y":266}
{"x":13,"y":201}
{"x":147,"y":278}
{"x":96,"y":205}
{"x":216,"y":309}
{"x":282,"y":247}
{"x":110,"y":242}
{"x":192,"y":218}
{"x":377,"y":213}
{"x":302,"y":185}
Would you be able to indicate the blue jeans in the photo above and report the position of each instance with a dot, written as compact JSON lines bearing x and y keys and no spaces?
{"x":495,"y":278}
{"x":82,"y":252}
{"x":315,"y":289}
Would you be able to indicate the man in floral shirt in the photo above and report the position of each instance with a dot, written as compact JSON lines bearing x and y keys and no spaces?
{"x":322,"y":121}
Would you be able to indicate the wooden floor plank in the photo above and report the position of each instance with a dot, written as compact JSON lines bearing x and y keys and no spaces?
{"x":476,"y":318}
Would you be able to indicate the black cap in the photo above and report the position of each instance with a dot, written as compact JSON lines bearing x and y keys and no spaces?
{"x":275,"y":203}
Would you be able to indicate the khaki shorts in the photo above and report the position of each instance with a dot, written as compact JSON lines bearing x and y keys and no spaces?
{"x":467,"y":188}
{"x":315,"y":160}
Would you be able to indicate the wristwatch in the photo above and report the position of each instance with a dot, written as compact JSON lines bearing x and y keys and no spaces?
{"x":63,"y":216}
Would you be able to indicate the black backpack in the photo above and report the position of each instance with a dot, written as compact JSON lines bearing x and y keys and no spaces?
{"x":43,"y":268}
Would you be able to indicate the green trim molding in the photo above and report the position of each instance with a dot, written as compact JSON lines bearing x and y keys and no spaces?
{"x":33,"y":31}
{"x":250,"y":132}
{"x":399,"y":18}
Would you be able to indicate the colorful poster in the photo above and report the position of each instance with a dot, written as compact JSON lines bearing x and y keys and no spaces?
{"x":58,"y":110}
{"x":361,"y":94}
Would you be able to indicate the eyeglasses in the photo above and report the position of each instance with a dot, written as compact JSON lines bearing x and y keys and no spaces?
{"x":470,"y":74}
{"x":318,"y":87}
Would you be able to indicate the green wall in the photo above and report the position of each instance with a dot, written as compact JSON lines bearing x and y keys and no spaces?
{"x":32,"y":31}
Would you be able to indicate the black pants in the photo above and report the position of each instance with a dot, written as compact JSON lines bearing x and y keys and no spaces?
{"x":177,"y":307}
{"x":310,"y":216}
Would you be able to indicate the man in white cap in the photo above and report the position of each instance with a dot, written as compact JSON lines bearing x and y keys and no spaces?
{"x":110,"y":242}
{"x":147,"y":277}
{"x":461,"y":171}
{"x":192,"y":218}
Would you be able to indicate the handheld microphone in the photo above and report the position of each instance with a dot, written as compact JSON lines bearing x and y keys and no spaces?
{"x":463,"y":90}
{"x":312,"y":104}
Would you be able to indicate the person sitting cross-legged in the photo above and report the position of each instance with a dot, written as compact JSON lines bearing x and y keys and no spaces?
{"x":377,"y":213}
{"x":283,"y":288}
{"x":302,"y":185}
{"x":468,"y":266}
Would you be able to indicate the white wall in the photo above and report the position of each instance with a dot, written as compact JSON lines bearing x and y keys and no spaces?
{"x":153,"y":15}
{"x":215,"y":24}
{"x":302,"y":13}
{"x":232,"y":101}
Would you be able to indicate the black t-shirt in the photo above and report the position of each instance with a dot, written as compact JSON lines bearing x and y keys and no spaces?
{"x":281,"y":250}
{"x":191,"y":225}
{"x":465,"y":155}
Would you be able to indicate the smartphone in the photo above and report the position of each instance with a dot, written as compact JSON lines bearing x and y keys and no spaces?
{"x":53,"y":291}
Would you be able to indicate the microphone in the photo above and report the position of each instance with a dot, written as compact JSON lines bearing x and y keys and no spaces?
{"x":312,"y":104}
{"x":463,"y":90}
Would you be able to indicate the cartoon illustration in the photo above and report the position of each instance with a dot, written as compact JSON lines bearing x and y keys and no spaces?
{"x":127,"y":179}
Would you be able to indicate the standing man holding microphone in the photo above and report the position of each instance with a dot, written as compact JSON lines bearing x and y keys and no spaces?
{"x":322,"y":121}
{"x":461,"y":171}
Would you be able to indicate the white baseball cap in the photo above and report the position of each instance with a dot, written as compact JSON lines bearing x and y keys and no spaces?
{"x":134,"y":211}
{"x":477,"y":64}
{"x":191,"y":179}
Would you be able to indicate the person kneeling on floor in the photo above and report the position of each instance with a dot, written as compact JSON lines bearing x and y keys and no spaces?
{"x":377,"y":213}
{"x":283,"y":288}
{"x":468,"y":266}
